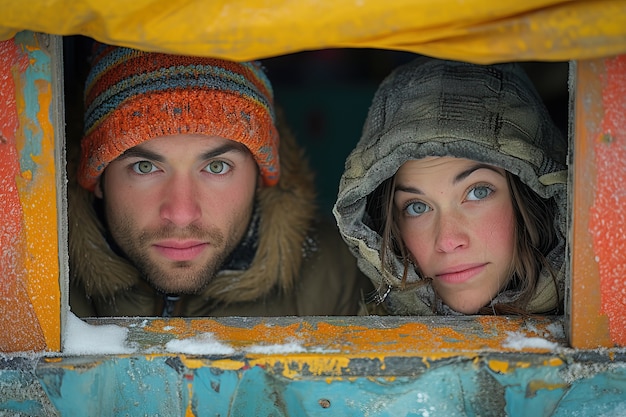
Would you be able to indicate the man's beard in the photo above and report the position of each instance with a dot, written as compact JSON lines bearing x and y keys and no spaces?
{"x":180,"y":277}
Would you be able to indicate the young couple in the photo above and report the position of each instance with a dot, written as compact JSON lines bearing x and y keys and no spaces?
{"x":194,"y":200}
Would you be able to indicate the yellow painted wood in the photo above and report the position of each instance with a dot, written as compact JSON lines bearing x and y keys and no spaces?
{"x":482,"y":31}
{"x":30,"y":300}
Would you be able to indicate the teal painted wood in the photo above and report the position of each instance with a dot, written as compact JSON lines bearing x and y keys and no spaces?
{"x":39,"y":69}
{"x":115,"y":386}
{"x":460,"y":386}
{"x":599,"y":395}
{"x":214,"y":389}
{"x":21,"y":394}
{"x":379,"y":380}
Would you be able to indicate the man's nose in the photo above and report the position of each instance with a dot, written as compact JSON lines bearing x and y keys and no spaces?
{"x":181,"y":204}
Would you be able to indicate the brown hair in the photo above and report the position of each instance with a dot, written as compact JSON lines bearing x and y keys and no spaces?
{"x":534,"y":229}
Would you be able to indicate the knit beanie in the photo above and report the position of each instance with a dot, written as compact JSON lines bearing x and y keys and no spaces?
{"x":133,"y":96}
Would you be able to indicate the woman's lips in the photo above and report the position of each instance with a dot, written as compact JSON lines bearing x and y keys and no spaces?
{"x":180,"y":251}
{"x":460,"y":274}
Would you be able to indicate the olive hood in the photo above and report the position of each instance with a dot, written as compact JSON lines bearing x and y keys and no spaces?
{"x":429,"y":107}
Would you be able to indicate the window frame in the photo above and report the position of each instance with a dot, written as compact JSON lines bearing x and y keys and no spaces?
{"x":586,"y":326}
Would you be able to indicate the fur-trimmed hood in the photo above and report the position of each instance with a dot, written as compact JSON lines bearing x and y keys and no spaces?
{"x":287,"y":211}
{"x":430,"y":107}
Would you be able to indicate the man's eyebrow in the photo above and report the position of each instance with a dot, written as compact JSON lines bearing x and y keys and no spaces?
{"x":139,"y":152}
{"x":457,"y":178}
{"x":228,"y":147}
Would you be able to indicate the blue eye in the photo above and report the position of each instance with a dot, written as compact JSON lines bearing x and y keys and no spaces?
{"x":218,"y":167}
{"x":416,"y":208}
{"x":479,"y":193}
{"x":144,"y":167}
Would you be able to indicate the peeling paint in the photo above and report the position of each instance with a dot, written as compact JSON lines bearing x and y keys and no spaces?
{"x":20,"y":329}
{"x":607,"y":215}
{"x":448,"y":388}
{"x":589,"y":327}
{"x":433,"y":341}
{"x":499,"y":366}
{"x":534,"y":386}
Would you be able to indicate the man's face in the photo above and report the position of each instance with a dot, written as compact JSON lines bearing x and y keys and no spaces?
{"x":178,"y":205}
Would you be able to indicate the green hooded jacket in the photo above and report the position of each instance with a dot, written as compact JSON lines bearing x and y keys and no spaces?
{"x":430,"y":107}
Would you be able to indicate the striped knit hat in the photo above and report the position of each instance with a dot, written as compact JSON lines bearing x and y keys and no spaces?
{"x":133,"y":96}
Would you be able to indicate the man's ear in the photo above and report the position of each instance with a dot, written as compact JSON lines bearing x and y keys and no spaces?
{"x":98,"y":190}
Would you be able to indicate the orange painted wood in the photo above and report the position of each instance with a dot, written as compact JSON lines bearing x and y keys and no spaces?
{"x":321,"y":338}
{"x":598,"y":238}
{"x":29,"y":262}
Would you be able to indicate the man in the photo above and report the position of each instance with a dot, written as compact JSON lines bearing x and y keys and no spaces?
{"x":192,"y":203}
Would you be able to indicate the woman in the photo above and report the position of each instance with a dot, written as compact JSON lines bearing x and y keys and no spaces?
{"x":454,"y":201}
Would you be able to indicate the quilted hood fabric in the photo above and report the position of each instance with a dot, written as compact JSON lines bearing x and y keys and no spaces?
{"x":430,"y":107}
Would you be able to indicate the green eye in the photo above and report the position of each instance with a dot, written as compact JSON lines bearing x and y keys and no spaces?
{"x":218,"y":167}
{"x":143,"y":167}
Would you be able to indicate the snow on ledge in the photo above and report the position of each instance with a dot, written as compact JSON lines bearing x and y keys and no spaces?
{"x":270,"y":349}
{"x":81,"y":338}
{"x":202,"y":344}
{"x":519,"y":341}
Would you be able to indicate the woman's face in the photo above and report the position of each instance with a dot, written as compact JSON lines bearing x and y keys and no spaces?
{"x":457,"y":221}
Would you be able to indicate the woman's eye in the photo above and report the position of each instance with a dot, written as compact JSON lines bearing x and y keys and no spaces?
{"x":417,"y":208}
{"x":218,"y":167}
{"x":144,"y":167}
{"x":479,"y":193}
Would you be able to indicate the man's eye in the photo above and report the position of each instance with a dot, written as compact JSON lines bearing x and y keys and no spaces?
{"x":218,"y":167}
{"x":479,"y":193}
{"x":144,"y":167}
{"x":417,"y":208}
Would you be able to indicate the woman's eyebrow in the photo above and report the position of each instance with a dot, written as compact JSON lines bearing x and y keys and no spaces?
{"x":464,"y":174}
{"x":407,"y":189}
{"x":457,"y":178}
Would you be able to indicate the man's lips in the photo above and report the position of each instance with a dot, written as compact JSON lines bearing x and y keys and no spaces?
{"x":180,"y":250}
{"x":460,"y":273}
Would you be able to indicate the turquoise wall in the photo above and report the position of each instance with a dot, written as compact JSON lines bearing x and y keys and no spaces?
{"x":145,"y":385}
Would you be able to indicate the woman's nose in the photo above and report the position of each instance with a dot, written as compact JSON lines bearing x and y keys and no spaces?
{"x":451,"y":233}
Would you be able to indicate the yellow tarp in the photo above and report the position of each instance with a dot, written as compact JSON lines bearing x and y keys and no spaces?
{"x":482,"y":31}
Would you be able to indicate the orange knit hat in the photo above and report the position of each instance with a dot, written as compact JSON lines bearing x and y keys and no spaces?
{"x":133,"y":96}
